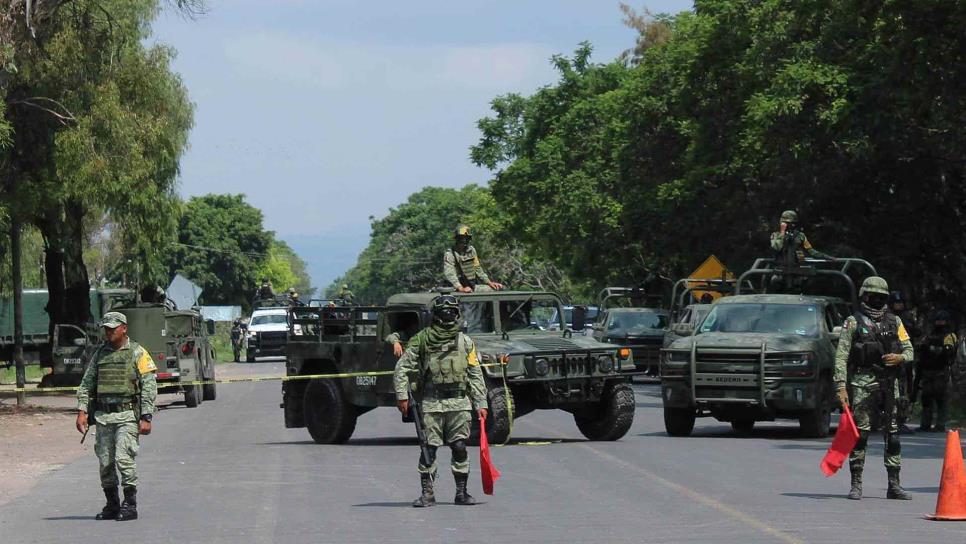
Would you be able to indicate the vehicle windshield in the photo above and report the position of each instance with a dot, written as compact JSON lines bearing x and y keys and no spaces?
{"x":269,"y":319}
{"x":528,"y":313}
{"x":636,"y":323}
{"x":800,"y":319}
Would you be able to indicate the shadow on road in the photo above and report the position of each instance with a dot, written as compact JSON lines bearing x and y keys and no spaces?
{"x":412,"y":441}
{"x":385,"y":505}
{"x":817,"y":496}
{"x":69,"y":518}
{"x":648,"y":404}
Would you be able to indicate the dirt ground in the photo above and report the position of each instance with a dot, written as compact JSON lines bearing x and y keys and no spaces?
{"x":40,"y":436}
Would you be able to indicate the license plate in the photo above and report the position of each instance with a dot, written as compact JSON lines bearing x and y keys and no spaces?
{"x":747,"y":380}
{"x":72,"y":361}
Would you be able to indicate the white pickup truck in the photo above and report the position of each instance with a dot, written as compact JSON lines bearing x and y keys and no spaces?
{"x":267,"y":333}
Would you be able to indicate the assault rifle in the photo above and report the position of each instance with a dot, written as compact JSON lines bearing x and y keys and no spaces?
{"x":416,"y":412}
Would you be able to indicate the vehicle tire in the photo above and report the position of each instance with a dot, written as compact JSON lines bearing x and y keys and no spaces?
{"x":817,"y":423}
{"x":208,"y":390}
{"x":612,"y":418}
{"x":329,"y":418}
{"x":192,"y":396}
{"x":679,"y":421}
{"x":743,"y":426}
{"x":498,"y":424}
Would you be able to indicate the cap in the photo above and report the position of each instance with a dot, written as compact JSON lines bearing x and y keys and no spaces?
{"x":112,"y":320}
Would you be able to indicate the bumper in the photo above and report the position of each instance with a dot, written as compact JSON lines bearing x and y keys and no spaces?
{"x":787,"y":397}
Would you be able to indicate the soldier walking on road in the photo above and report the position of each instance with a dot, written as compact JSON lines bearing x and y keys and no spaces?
{"x":872,"y":349}
{"x":119,"y":386}
{"x":932,"y":374}
{"x":442,"y":363}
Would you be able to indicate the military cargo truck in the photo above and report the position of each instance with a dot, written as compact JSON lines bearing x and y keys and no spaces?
{"x":762,"y":356}
{"x":178,"y":342}
{"x":542,"y":369}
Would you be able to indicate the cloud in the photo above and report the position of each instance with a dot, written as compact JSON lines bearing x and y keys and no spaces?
{"x":339,"y":65}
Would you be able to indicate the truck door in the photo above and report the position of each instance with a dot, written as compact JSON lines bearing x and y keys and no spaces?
{"x":71,"y":350}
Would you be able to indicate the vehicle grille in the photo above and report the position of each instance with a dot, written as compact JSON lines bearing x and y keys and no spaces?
{"x":272,"y":339}
{"x":575,"y":365}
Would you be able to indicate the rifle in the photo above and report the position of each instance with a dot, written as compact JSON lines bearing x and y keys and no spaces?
{"x":416,"y":413}
{"x":90,"y":411}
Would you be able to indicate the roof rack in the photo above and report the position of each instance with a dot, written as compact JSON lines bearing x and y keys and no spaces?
{"x":809,"y":268}
{"x":630,"y":293}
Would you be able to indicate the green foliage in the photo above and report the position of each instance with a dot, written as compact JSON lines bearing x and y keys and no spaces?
{"x":849,"y":112}
{"x":221,"y":246}
{"x":285,"y":269}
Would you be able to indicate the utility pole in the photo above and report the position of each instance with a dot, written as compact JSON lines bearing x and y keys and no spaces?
{"x":15,"y":258}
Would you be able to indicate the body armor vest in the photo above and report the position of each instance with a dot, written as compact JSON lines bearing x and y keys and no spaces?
{"x":872,"y":340}
{"x":117,"y":374}
{"x":446,"y":369}
{"x":466,"y":262}
{"x":934,"y":355}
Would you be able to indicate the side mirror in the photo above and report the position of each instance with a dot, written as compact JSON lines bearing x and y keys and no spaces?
{"x":80,"y":341}
{"x":836,"y":332}
{"x":210,"y":323}
{"x":682,"y":329}
{"x":579,"y":318}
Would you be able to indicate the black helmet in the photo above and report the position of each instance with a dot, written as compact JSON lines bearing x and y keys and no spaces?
{"x":446,"y":310}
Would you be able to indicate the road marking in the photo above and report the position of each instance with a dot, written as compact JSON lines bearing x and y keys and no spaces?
{"x":698,"y":497}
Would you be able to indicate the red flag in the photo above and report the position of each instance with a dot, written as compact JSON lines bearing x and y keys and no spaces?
{"x":489,"y":472}
{"x":845,"y":438}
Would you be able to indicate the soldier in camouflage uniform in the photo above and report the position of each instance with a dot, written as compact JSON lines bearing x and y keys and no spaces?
{"x":119,"y":385}
{"x":791,"y":243}
{"x":871,"y":351}
{"x":442,"y":363}
{"x":345,"y":295}
{"x":461,"y":265}
{"x":932,"y":374}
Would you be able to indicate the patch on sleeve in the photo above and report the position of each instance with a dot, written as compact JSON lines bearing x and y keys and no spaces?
{"x":476,"y":261}
{"x":950,"y":340}
{"x":903,"y":335}
{"x":471,"y":359}
{"x":146,"y":363}
{"x":805,"y":243}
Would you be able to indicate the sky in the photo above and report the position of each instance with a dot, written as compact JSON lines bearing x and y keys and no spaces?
{"x":326,"y":113}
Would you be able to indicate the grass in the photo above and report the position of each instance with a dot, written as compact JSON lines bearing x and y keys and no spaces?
{"x":8,"y":375}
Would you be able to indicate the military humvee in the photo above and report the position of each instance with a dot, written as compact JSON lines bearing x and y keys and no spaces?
{"x":178,"y":342}
{"x":762,"y":356}
{"x":543,"y":369}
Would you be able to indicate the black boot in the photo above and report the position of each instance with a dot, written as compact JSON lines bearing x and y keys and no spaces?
{"x":129,"y":508}
{"x":855,"y":493}
{"x":427,"y":498}
{"x":462,"y":496}
{"x":113,"y":505}
{"x":895,"y":490}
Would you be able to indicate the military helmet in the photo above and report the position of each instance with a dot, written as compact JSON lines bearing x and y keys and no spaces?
{"x":291,"y":290}
{"x":874,"y":284}
{"x":446,"y":309}
{"x":345,"y":285}
{"x":789,"y":216}
{"x":462,"y":231}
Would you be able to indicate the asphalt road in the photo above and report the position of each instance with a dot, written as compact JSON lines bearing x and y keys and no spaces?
{"x":230,"y":472}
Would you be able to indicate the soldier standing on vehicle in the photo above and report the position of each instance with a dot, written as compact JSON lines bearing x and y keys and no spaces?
{"x":932,"y":375}
{"x":293,"y":298}
{"x":345,"y":294}
{"x":907,"y":389}
{"x":462,"y":268}
{"x":265,"y":292}
{"x":442,"y":363}
{"x":790,"y":242}
{"x":871,"y":351}
{"x":119,"y":386}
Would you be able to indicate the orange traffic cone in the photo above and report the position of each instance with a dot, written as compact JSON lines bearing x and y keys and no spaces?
{"x":951,"y":504}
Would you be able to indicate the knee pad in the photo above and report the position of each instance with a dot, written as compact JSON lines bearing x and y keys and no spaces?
{"x":893,"y":447}
{"x":863,"y":441}
{"x":459,"y":451}
{"x":432,"y":455}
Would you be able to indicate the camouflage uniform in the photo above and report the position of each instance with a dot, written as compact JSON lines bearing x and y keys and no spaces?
{"x":117,"y":436}
{"x":793,"y":245}
{"x":345,"y":295}
{"x":935,"y":360}
{"x":463,"y":269}
{"x":446,"y":407}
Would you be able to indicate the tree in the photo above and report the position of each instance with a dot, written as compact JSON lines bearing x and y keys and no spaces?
{"x":285,"y":269}
{"x":221,"y":246}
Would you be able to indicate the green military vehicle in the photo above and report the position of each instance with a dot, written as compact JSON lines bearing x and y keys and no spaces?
{"x":763,"y":356}
{"x":178,"y":342}
{"x":542,"y":369}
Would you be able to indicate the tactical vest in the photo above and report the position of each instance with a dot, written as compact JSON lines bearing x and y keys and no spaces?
{"x":117,"y":374}
{"x":934,"y":355}
{"x":465,"y":262}
{"x":872,"y":340}
{"x":446,"y":370}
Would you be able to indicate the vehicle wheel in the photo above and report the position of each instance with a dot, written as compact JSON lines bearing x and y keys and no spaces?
{"x":817,"y":423}
{"x":208,"y":390}
{"x":679,"y":421}
{"x":498,"y":422}
{"x":612,"y":418}
{"x":329,"y":418}
{"x":743,"y":426}
{"x":192,"y":396}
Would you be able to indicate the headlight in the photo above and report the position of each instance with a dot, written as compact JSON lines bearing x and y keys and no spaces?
{"x":797,"y":360}
{"x":624,"y":353}
{"x":676,"y":356}
{"x":541,"y":367}
{"x":605,"y":363}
